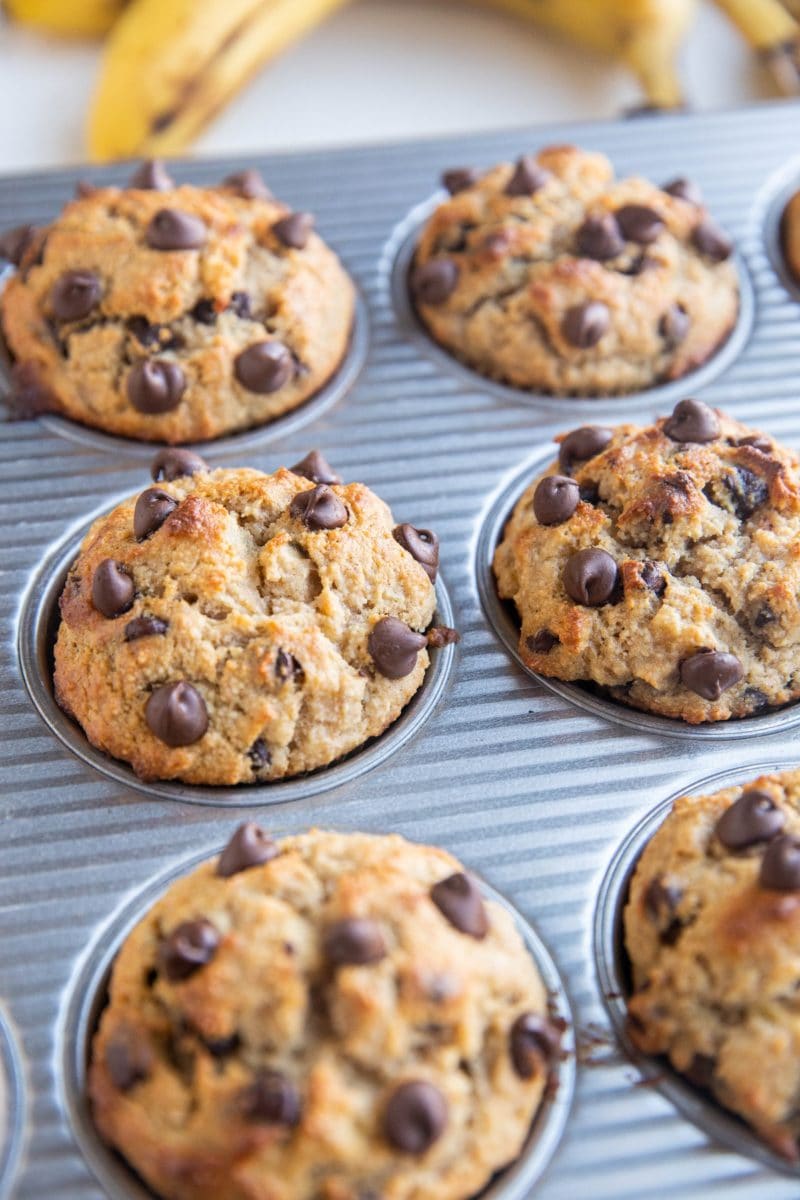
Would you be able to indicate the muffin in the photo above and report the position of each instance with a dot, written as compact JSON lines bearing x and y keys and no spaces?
{"x":230,"y":626}
{"x":553,"y":276}
{"x":662,"y":563}
{"x":712,"y":930}
{"x":790,"y":232}
{"x":328,"y":1017}
{"x":173,"y":314}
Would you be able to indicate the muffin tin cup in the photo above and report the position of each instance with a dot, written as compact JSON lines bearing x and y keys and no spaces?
{"x":503,"y":620}
{"x":12,"y":1107}
{"x":86,"y":997}
{"x":613,"y":975}
{"x":37,"y":629}
{"x":396,"y":264}
{"x":776,"y":194}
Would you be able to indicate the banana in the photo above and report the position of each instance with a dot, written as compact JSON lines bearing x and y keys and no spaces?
{"x":170,"y":65}
{"x":773,"y":32}
{"x":72,"y":18}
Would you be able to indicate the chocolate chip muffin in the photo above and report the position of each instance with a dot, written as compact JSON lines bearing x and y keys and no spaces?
{"x":553,"y":276}
{"x":790,"y":231}
{"x":173,"y":314}
{"x":712,"y":928}
{"x":328,"y":1017}
{"x":229,"y":626}
{"x":663,"y":564}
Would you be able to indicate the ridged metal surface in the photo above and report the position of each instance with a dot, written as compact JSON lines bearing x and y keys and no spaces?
{"x":533,"y":792}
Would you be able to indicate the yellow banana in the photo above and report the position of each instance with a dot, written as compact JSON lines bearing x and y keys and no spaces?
{"x":79,"y":18}
{"x":773,"y":32}
{"x":169,"y":65}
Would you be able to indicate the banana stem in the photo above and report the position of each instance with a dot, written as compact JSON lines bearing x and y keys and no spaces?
{"x":774,"y":33}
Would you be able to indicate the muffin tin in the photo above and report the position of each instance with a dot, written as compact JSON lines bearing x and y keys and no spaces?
{"x":532,"y":790}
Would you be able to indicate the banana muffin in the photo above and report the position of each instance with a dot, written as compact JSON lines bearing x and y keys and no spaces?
{"x":790,"y":232}
{"x":663,"y":564}
{"x":712,"y":930}
{"x":229,"y":626}
{"x":173,"y":314}
{"x":553,"y":276}
{"x":326,"y":1017}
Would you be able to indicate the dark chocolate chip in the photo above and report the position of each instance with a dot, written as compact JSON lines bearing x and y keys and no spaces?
{"x":590,"y":577}
{"x":421,"y":544}
{"x":692,"y":421}
{"x":589,"y":493}
{"x":600,"y":238}
{"x":271,"y":1099}
{"x":528,"y":177}
{"x":661,"y":900}
{"x":684,"y":189}
{"x":249,"y":185}
{"x":287,"y":666}
{"x":259,"y":755}
{"x":354,"y":941}
{"x":171,"y":229}
{"x":555,"y":499}
{"x":75,"y":294}
{"x":264,"y":367}
{"x":143,"y":331}
{"x":151,"y":511}
{"x":434,"y":282}
{"x":189,"y":947}
{"x":222,"y":1047}
{"x":204,"y":312}
{"x":316,"y":467}
{"x":780,"y":866}
{"x":112,"y":588}
{"x":710,"y":673}
{"x":740,"y":491}
{"x":674,"y":325}
{"x":458,"y":179}
{"x":639,"y":223}
{"x":129,"y":1058}
{"x":250,"y":846}
{"x":541,"y":642}
{"x":636,"y":266}
{"x":459,"y":899}
{"x":757,"y":441}
{"x":394,"y":646}
{"x":240,"y":305}
{"x":756,"y":700}
{"x":712,"y":241}
{"x":14,"y":243}
{"x":585,"y":324}
{"x":319,"y":508}
{"x":171,"y":464}
{"x":295,"y":230}
{"x":29,"y":395}
{"x":534,"y":1043}
{"x":652,"y":576}
{"x":176,"y":713}
{"x":753,"y":817}
{"x":415,"y":1117}
{"x":155,"y":386}
{"x":141,"y":627}
{"x":152,"y":176}
{"x":700,"y":1071}
{"x":582,"y":444}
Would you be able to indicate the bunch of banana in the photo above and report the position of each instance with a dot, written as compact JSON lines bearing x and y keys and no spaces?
{"x":169,"y":65}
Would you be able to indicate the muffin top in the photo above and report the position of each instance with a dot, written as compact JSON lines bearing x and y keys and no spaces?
{"x":663,"y":563}
{"x":790,"y":232}
{"x":174,"y":314}
{"x":712,"y":928}
{"x":553,"y":276}
{"x":230,"y":626}
{"x":328,"y":1017}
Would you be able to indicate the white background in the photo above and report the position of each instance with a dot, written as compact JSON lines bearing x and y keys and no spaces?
{"x":375,"y":71}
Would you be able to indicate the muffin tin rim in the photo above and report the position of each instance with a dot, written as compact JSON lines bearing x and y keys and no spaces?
{"x":13,"y":1113}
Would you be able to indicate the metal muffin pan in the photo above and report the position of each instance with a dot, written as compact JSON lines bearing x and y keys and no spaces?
{"x":533,"y":792}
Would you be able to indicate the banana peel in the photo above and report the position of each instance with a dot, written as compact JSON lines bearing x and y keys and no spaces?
{"x":170,"y":65}
{"x":67,"y":18}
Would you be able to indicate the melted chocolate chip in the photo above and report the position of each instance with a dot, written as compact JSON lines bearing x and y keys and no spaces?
{"x":710,"y":673}
{"x":271,"y":1099}
{"x":248,"y":184}
{"x":315,"y":467}
{"x":204,"y":312}
{"x":240,"y":306}
{"x":176,"y":713}
{"x":753,"y":817}
{"x":700,"y":1071}
{"x":758,"y":441}
{"x":287,"y":666}
{"x":740,"y":491}
{"x":534,"y":1044}
{"x":692,"y":421}
{"x":295,"y":230}
{"x":780,"y":866}
{"x":434,"y":282}
{"x":128,"y":1057}
{"x":14,"y":243}
{"x":585,"y":324}
{"x":684,"y":189}
{"x":600,"y":238}
{"x":639,"y":223}
{"x":458,"y":898}
{"x":674,"y":325}
{"x":528,"y":177}
{"x":74,"y":295}
{"x":189,"y":947}
{"x":264,"y":367}
{"x":421,"y":544}
{"x":712,"y":242}
{"x":582,"y":444}
{"x":259,"y":755}
{"x":151,"y":511}
{"x":661,"y":900}
{"x":354,"y":941}
{"x":145,"y":333}
{"x":152,"y":176}
{"x":112,"y":588}
{"x":458,"y":179}
{"x":555,"y":499}
{"x":319,"y":508}
{"x":171,"y":229}
{"x":141,"y":627}
{"x":171,"y":464}
{"x":652,"y":576}
{"x":250,"y":846}
{"x":416,"y":1117}
{"x":393,"y":646}
{"x":590,"y":577}
{"x":155,"y":386}
{"x":541,"y":642}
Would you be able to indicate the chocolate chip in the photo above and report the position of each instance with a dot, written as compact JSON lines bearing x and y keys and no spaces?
{"x":692,"y":421}
{"x":710,"y":673}
{"x":222,"y":1047}
{"x":248,"y":184}
{"x":240,"y":305}
{"x":393,"y":647}
{"x":112,"y":588}
{"x":582,"y":444}
{"x":534,"y":1043}
{"x":128,"y":1057}
{"x":780,"y":866}
{"x":204,"y":312}
{"x":639,"y":263}
{"x":287,"y":666}
{"x":271,"y":1099}
{"x":528,"y":177}
{"x":421,"y":544}
{"x":661,"y":900}
{"x":143,"y":331}
{"x":189,"y":947}
{"x":171,"y":229}
{"x":684,"y":189}
{"x":74,"y":295}
{"x":259,"y":755}
{"x":652,"y":576}
{"x":585,"y":324}
{"x":316,"y":468}
{"x":155,"y":386}
{"x":541,"y":642}
{"x":458,"y":179}
{"x":295,"y":230}
{"x":354,"y":941}
{"x":674,"y":325}
{"x":555,"y":499}
{"x":712,"y":241}
{"x":740,"y":491}
{"x":152,"y":176}
{"x":700,"y":1071}
{"x":250,"y":846}
{"x":756,"y":700}
{"x":639,"y":223}
{"x":171,"y":464}
{"x":319,"y":508}
{"x":590,"y":577}
{"x":434,"y":282}
{"x":264,"y":367}
{"x":141,"y":627}
{"x":29,"y":395}
{"x":458,"y":898}
{"x":14,"y":243}
{"x":415,"y":1117}
{"x":753,"y":817}
{"x":151,"y":511}
{"x":600,"y":238}
{"x":176,"y":713}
